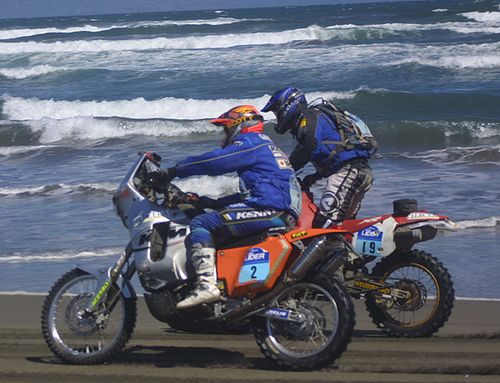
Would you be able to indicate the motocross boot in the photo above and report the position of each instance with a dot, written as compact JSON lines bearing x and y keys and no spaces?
{"x":206,"y":289}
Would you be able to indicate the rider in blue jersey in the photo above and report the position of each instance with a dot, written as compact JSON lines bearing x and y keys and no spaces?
{"x":269,"y":197}
{"x":347,"y":171}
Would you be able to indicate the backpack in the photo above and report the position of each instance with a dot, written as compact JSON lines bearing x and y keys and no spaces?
{"x":354,"y":133}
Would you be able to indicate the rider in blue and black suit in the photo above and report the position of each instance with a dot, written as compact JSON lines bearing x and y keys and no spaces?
{"x":348,"y":175}
{"x":269,"y":197}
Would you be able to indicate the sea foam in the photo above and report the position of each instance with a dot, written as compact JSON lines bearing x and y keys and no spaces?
{"x":20,"y":109}
{"x":27,"y":32}
{"x":21,"y":73}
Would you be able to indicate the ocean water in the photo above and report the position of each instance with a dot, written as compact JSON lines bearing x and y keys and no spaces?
{"x":80,"y":96}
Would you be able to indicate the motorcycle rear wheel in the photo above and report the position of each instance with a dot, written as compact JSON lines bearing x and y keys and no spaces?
{"x":318,"y":340}
{"x":78,"y":340}
{"x":431,"y":300}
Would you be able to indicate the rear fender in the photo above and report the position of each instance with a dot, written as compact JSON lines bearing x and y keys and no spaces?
{"x":407,"y":235}
{"x":102,"y":275}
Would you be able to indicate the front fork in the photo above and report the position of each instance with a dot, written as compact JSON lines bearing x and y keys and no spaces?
{"x":109,"y":290}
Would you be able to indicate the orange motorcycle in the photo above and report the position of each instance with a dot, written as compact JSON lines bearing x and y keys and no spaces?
{"x":279,"y":283}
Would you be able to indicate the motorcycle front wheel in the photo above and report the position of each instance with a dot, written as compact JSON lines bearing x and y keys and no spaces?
{"x":322,"y":334}
{"x":84,"y":339}
{"x":430,"y":299}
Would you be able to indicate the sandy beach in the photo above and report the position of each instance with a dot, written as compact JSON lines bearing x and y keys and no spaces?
{"x":467,"y":349}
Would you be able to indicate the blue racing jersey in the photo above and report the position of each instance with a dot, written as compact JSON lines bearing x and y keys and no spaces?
{"x":267,"y":180}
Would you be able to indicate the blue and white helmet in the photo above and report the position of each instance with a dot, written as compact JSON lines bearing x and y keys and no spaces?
{"x":286,"y":104}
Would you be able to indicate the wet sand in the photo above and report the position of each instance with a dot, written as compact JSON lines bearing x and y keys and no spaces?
{"x":467,"y":349}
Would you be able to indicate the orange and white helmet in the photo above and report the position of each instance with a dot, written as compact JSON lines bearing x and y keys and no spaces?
{"x":240,"y":119}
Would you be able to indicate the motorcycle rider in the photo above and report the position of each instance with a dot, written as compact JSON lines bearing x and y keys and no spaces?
{"x":347,"y":171}
{"x":269,"y":197}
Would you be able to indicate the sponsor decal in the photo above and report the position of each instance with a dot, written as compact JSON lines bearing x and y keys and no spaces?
{"x":422,"y":215}
{"x":101,"y":292}
{"x":329,"y":203}
{"x":371,"y":233}
{"x":153,"y":216}
{"x":254,"y":214}
{"x":278,"y":313}
{"x":371,"y":286}
{"x":283,"y":163}
{"x":256,"y":255}
{"x":275,"y":149}
{"x":299,"y":234}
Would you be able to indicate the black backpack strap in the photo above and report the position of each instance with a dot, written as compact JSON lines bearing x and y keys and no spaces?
{"x":337,"y":116}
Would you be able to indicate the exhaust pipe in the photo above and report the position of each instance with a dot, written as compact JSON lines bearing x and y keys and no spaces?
{"x":311,"y":255}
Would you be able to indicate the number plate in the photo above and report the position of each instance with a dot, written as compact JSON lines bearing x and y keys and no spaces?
{"x":369,"y":241}
{"x":256,"y":266}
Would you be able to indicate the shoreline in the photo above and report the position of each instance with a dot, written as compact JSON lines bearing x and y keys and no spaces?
{"x":465,"y":350}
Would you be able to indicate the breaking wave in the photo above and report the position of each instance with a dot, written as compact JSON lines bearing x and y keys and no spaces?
{"x":477,"y":223}
{"x":493,"y":16}
{"x":16,"y":33}
{"x":459,"y":155}
{"x":204,"y":185}
{"x":310,"y":33}
{"x":20,"y":109}
{"x":58,"y":255}
{"x":57,"y":189}
{"x":26,"y":32}
{"x":21,"y":73}
{"x":161,"y":43}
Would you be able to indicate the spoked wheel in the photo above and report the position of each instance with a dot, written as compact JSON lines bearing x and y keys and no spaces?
{"x":429,"y":295}
{"x":84,"y":338}
{"x":323,"y":325}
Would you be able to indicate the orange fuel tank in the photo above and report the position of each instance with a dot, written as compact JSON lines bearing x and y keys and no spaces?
{"x":251,"y":269}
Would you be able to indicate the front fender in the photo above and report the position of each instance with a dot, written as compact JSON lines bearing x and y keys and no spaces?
{"x":102,"y":275}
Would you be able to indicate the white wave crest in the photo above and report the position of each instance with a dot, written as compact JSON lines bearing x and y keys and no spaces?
{"x":88,"y":128}
{"x":59,"y":255}
{"x":216,"y":21}
{"x":22,"y":109}
{"x":204,"y":185}
{"x":213,"y":187}
{"x":493,"y":16}
{"x":11,"y":150}
{"x":26,"y":32}
{"x":459,"y":155}
{"x":479,"y":130}
{"x":459,"y":27}
{"x":310,"y":33}
{"x":16,"y":33}
{"x":483,"y":222}
{"x":21,"y":73}
{"x":28,"y":191}
{"x":461,"y":56}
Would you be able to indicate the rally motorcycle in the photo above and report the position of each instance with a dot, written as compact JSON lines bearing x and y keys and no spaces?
{"x":279,"y":282}
{"x":408,"y":292}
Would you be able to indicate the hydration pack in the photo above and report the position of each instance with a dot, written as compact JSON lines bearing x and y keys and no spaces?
{"x":354,"y":133}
